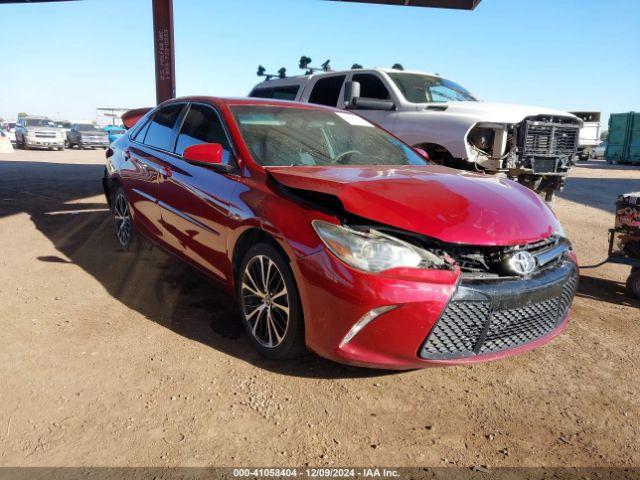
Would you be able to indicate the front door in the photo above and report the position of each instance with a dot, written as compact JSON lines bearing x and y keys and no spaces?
{"x":195,"y":200}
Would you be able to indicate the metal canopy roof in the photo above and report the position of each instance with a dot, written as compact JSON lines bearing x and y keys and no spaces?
{"x":459,"y":4}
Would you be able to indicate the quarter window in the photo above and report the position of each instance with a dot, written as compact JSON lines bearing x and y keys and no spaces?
{"x":326,"y":91}
{"x":201,"y":125}
{"x":278,"y":93}
{"x":160,"y":129}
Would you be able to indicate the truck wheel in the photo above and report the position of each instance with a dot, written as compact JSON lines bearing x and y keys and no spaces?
{"x":633,"y":283}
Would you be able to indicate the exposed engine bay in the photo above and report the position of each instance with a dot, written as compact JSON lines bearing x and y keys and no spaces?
{"x":538,"y":152}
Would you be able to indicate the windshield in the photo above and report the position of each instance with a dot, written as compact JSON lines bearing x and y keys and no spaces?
{"x":87,"y":127}
{"x":420,"y":88}
{"x":39,"y":122}
{"x":294,"y":136}
{"x":63,"y":124}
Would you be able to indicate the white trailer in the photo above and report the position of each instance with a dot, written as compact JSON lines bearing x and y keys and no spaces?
{"x":589,"y":133}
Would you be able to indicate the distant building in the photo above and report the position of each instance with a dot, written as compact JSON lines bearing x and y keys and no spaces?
{"x":109,"y":116}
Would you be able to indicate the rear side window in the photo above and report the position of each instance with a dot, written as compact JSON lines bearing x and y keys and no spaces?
{"x":279,"y":93}
{"x":201,"y":125}
{"x":326,"y":91}
{"x":160,"y":130}
{"x":371,"y":86}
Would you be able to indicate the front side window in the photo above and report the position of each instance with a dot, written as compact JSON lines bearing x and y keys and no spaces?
{"x":285,"y":136}
{"x":201,"y":125}
{"x":421,"y":88}
{"x":160,"y":130}
{"x":326,"y":91}
{"x":371,"y":86}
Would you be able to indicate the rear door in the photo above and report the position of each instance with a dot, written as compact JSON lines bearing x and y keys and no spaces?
{"x":145,"y":164}
{"x":195,"y":200}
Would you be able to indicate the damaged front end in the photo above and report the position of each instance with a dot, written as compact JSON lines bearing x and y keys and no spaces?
{"x":537,"y":152}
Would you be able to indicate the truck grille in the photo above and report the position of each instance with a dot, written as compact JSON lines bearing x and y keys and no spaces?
{"x":550,"y":139}
{"x":477,"y":323}
{"x":45,"y":135}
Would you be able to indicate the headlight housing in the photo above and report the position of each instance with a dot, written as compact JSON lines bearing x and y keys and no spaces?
{"x":373,"y":251}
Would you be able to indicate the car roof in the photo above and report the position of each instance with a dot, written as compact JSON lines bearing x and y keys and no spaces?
{"x":234,"y":101}
{"x":299,"y":79}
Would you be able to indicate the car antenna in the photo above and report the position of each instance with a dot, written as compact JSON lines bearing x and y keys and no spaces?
{"x":282,"y":73}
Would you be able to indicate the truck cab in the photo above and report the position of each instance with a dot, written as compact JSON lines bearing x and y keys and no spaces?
{"x":536,"y":146}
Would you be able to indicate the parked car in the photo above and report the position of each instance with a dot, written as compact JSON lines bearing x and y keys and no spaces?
{"x":599,"y":150}
{"x":34,"y":131}
{"x":335,"y":235}
{"x":114,"y":132}
{"x":10,"y":129}
{"x":87,"y":135}
{"x":64,"y":127}
{"x":536,"y":146}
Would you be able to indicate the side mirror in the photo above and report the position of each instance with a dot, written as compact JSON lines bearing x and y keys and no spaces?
{"x":422,"y":152}
{"x":351,"y":92}
{"x":362,"y":103}
{"x":207,"y":155}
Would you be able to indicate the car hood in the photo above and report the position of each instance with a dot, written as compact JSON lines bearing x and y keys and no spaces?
{"x":439,"y":202}
{"x":500,"y":112}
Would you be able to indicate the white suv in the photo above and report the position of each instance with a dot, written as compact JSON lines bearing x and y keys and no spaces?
{"x":537,"y":146}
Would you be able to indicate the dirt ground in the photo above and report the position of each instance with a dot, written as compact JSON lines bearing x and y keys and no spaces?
{"x":115,"y":359}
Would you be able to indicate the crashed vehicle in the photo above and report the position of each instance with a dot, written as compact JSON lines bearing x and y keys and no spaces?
{"x":535,"y":146}
{"x":335,"y":236}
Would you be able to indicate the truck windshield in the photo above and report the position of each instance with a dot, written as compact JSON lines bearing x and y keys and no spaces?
{"x":286,"y":136}
{"x":420,"y":88}
{"x":39,"y":122}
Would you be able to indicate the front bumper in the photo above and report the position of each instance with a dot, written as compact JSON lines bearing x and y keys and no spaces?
{"x":43,"y":142}
{"x":95,"y":143}
{"x":508,"y":316}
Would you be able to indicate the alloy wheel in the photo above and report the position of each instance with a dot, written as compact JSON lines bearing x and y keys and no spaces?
{"x":265,"y":301}
{"x":122,"y":217}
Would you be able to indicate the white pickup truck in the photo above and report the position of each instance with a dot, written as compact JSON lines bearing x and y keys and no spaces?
{"x":537,"y":146}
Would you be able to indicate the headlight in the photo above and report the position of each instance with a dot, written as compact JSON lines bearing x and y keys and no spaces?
{"x":560,"y":231}
{"x":372,"y":251}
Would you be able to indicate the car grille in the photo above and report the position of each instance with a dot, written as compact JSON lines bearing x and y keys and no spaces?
{"x":476,"y":322}
{"x":45,"y":135}
{"x":549,"y":139}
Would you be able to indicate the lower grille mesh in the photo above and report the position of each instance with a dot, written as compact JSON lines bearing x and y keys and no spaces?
{"x":472,"y":327}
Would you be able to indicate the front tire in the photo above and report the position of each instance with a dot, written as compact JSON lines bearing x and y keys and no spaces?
{"x":270,"y":305}
{"x":633,"y":283}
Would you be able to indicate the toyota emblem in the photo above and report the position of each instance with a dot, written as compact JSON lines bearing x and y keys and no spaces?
{"x":521,"y":263}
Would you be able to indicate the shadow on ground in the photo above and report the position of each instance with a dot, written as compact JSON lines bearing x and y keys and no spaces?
{"x":155,"y":284}
{"x":604,"y":290}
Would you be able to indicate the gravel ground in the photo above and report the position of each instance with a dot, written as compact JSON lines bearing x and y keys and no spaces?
{"x":115,"y":359}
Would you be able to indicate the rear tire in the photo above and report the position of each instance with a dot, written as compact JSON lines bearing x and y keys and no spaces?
{"x":126,"y":236}
{"x":269,"y":302}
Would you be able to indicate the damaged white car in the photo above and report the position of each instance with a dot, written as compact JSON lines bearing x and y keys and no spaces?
{"x":536,"y":146}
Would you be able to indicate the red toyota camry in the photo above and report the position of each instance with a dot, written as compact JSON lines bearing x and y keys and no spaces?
{"x":335,"y":236}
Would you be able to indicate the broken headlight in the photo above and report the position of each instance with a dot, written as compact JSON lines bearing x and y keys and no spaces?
{"x":482,"y":138}
{"x":372,"y":251}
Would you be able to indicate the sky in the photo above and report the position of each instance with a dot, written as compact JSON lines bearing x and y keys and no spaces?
{"x":65,"y":59}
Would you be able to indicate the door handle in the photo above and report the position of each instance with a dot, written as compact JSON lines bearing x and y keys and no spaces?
{"x":167,"y":170}
{"x":127,"y":155}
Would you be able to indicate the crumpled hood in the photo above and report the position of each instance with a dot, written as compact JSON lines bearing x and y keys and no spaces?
{"x":501,"y":112}
{"x":443,"y":203}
